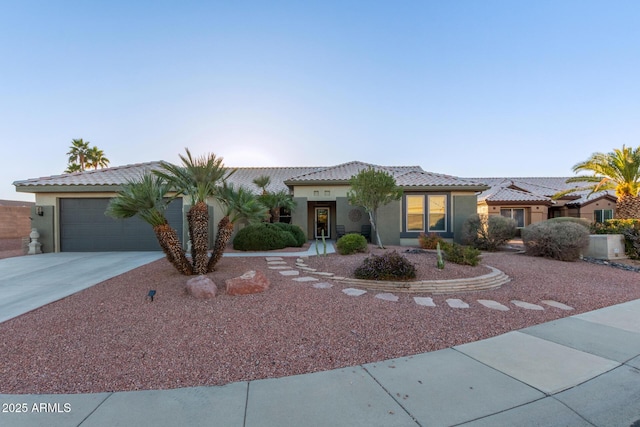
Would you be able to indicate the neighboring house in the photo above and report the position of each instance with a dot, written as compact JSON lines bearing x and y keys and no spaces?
{"x":73,"y":205}
{"x":529,"y":200}
{"x":15,"y":219}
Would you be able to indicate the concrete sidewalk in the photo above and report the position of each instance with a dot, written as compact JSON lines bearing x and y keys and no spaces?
{"x":577,"y":371}
{"x":29,"y":282}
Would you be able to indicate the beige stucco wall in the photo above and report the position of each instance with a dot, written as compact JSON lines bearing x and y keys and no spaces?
{"x":586,"y":210}
{"x":532,"y":214}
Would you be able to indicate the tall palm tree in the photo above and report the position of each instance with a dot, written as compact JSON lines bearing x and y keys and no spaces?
{"x":198,"y":178}
{"x":95,"y":158}
{"x":78,"y":153}
{"x":147,"y":199}
{"x":240,"y":205}
{"x":619,"y":171}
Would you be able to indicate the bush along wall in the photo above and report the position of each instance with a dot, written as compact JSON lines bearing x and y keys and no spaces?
{"x":629,"y":228}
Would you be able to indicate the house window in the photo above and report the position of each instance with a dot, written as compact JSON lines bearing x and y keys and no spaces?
{"x":515,"y":213}
{"x":601,"y":215}
{"x":437,"y":213}
{"x":415,"y":213}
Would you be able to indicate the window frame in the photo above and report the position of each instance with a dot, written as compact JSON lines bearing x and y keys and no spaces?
{"x":444,"y":214}
{"x":524,"y":215}
{"x":407,"y":214}
{"x":602,"y":213}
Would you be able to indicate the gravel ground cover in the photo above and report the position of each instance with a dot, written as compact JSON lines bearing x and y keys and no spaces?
{"x":109,"y":338}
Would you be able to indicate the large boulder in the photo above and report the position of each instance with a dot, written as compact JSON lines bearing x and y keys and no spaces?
{"x":250,"y":282}
{"x":201,"y":287}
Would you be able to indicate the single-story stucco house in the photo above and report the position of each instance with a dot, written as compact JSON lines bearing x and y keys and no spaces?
{"x":529,"y":200}
{"x":69,"y":209}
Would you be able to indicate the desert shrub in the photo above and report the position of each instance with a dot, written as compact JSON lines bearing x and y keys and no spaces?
{"x":351,"y":243}
{"x":389,"y":266}
{"x":461,"y":254}
{"x":295,"y":230}
{"x":562,"y":240}
{"x":263,"y":237}
{"x":583,"y":222}
{"x":488,"y":232}
{"x":429,"y":241}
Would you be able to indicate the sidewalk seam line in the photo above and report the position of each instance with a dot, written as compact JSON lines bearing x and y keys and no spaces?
{"x":246,"y":405}
{"x":390,"y":395}
{"x":95,"y":409}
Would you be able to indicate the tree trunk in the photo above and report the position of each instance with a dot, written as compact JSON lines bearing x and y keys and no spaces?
{"x":225,"y":230}
{"x":198,"y":218}
{"x":628,"y":207}
{"x":170,"y":244}
{"x":372,"y":220}
{"x":275,"y":215}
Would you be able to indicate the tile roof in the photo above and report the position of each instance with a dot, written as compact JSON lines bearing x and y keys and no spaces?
{"x":507,"y":194}
{"x":344,"y":172}
{"x":541,"y":187}
{"x":107,"y":176}
{"x":429,"y":179}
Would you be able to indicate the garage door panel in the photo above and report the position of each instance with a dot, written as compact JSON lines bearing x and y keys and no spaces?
{"x":84,"y":227}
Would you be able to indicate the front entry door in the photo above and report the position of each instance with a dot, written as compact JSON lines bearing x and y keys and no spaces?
{"x":322,"y":223}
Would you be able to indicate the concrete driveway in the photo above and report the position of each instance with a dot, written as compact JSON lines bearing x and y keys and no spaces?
{"x":29,"y":282}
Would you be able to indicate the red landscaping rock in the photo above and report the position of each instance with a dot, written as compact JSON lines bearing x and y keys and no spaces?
{"x":201,"y":287}
{"x":250,"y":282}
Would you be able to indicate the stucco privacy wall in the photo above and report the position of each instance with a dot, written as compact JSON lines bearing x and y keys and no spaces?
{"x":14,"y":222}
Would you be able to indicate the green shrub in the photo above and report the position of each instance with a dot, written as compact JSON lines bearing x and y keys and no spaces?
{"x":488,"y":232}
{"x":460,"y":254}
{"x":389,"y":266}
{"x":351,"y":243}
{"x":295,"y":230}
{"x":429,"y":241}
{"x":263,"y":237}
{"x":562,"y":240}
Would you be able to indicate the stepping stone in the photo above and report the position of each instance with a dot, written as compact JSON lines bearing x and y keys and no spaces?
{"x":299,"y":260}
{"x":526,"y":305}
{"x":301,"y":264}
{"x":274,"y":258}
{"x":387,"y":297}
{"x":322,"y":273}
{"x":353,"y":292}
{"x":309,"y":269}
{"x":495,"y":305}
{"x":424,"y":301}
{"x":457,"y":303}
{"x":322,"y":285}
{"x":557,"y":304}
{"x":276,"y":262}
{"x":279,"y":267}
{"x":305,"y":279}
{"x":289,"y":272}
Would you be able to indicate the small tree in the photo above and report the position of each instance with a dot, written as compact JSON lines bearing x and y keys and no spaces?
{"x":372,"y":189}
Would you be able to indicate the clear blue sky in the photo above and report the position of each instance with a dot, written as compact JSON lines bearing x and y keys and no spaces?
{"x":468,"y":88}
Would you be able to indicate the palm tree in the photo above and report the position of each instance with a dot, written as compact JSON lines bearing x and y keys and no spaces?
{"x":275,"y":201}
{"x":72,"y":168}
{"x":146,"y":198}
{"x":619,"y":171}
{"x":240,"y":205}
{"x":78,"y":153}
{"x":262,"y":182}
{"x":96,"y":158}
{"x":197,"y":178}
